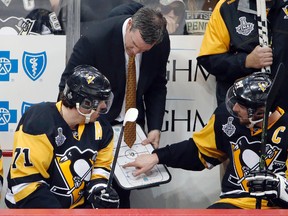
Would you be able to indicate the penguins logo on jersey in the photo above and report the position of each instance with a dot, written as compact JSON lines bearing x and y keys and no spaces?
{"x":246,"y":159}
{"x":285,"y":9}
{"x":75,"y":171}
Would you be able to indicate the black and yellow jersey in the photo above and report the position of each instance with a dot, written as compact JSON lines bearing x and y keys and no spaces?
{"x":232,"y":33}
{"x":54,"y":166}
{"x":223,"y":137}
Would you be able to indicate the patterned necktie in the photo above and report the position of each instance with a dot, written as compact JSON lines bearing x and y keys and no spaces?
{"x":130,"y":127}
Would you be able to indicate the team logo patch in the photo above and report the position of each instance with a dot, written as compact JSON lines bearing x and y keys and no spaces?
{"x":25,"y":26}
{"x":263,"y":85}
{"x":34,"y":64}
{"x":229,"y":129}
{"x":75,"y":167}
{"x":285,"y":9}
{"x":90,"y":78}
{"x":245,"y":28}
{"x":246,"y":159}
{"x":60,"y":138}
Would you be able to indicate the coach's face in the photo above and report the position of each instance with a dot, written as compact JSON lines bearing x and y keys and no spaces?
{"x":134,"y":43}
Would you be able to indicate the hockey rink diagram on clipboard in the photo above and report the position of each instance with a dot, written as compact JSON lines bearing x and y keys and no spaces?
{"x":158,"y":175}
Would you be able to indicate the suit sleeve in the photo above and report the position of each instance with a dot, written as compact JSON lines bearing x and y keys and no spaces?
{"x":155,"y":97}
{"x":81,"y":55}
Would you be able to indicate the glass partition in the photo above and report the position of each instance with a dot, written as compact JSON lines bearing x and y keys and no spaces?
{"x":31,"y":17}
{"x":74,"y":17}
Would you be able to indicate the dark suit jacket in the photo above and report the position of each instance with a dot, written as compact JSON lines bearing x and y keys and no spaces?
{"x":103,"y":48}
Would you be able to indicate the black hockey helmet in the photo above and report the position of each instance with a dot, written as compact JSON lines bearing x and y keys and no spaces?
{"x":87,"y":86}
{"x":250,"y":91}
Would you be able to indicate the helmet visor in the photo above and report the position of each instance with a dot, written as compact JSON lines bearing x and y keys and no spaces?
{"x":104,"y":105}
{"x":231,"y":100}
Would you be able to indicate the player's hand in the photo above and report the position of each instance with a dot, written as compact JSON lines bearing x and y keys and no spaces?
{"x":272,"y":186}
{"x":143,"y":163}
{"x":260,"y":57}
{"x":153,"y":138}
{"x":263,"y":184}
{"x":103,"y":198}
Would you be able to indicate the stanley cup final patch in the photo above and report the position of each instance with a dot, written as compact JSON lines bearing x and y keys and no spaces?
{"x":244,"y":28}
{"x":60,"y":138}
{"x":228,"y":128}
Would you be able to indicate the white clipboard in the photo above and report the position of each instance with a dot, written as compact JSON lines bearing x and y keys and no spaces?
{"x":158,"y":175}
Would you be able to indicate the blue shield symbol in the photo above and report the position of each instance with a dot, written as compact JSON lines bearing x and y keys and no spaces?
{"x":25,"y":106}
{"x":34,"y":64}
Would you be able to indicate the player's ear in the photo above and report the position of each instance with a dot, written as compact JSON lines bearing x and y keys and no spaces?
{"x":129,"y":25}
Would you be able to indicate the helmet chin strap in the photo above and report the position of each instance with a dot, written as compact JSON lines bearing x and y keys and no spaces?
{"x":87,"y":116}
{"x":252,"y":123}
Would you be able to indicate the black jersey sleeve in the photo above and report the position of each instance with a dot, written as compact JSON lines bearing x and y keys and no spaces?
{"x":41,"y":198}
{"x":199,"y":152}
{"x":180,"y":155}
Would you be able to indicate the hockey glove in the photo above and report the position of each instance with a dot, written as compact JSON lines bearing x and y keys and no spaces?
{"x":263,"y":184}
{"x":268,"y":185}
{"x":100,"y":197}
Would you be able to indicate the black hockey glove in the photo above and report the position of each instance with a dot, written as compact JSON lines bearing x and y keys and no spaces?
{"x":263,"y":184}
{"x":101,"y":198}
{"x":272,"y":186}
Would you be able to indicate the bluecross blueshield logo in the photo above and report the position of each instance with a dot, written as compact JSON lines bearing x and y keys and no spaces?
{"x":6,"y":116}
{"x":26,"y":106}
{"x":34,"y":64}
{"x":7,"y":65}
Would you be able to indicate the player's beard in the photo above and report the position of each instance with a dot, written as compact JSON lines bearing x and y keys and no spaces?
{"x":244,"y":121}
